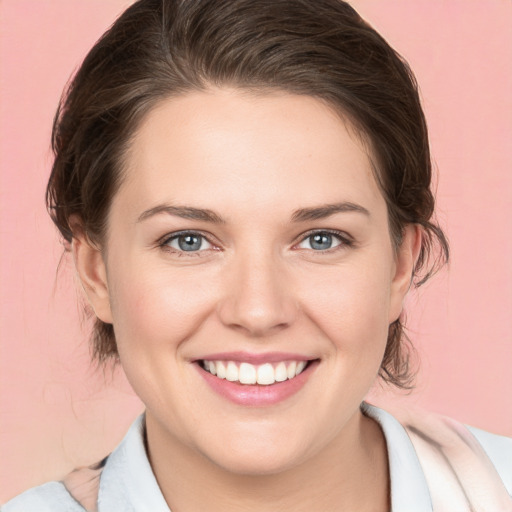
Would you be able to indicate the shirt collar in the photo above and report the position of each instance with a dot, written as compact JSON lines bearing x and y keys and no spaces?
{"x":128,"y":479}
{"x":409,"y":489}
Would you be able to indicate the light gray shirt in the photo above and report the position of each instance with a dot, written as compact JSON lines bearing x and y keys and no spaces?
{"x":127,"y":483}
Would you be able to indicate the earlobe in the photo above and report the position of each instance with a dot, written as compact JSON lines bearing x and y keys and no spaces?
{"x":91,"y":271}
{"x":406,"y":257}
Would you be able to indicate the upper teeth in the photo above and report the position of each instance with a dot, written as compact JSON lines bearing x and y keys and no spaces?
{"x":246,"y":373}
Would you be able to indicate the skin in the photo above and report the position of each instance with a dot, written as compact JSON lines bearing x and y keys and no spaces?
{"x":256,"y":285}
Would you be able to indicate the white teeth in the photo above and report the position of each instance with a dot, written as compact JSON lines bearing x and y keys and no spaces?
{"x":246,"y":373}
{"x":266,"y":374}
{"x":232,"y":372}
{"x":281,"y":373}
{"x":291,"y":369}
{"x":221,"y":369}
{"x":300,"y":367}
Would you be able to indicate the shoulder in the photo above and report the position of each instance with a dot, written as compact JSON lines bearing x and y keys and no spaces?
{"x":437,"y":463}
{"x":461,"y":464}
{"x":499,"y":450}
{"x":77,"y":492}
{"x":122,"y":481}
{"x":462,"y":448}
{"x":50,"y":497}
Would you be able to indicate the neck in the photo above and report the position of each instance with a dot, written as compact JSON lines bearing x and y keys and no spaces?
{"x":351,"y":473}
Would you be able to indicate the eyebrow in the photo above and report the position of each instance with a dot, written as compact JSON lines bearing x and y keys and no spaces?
{"x":205,"y":215}
{"x":326,"y":210}
{"x":185,"y":212}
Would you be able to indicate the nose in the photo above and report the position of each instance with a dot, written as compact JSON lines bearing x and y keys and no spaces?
{"x":258,"y":297}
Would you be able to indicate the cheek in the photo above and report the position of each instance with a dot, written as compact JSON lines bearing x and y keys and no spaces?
{"x":157,"y":307}
{"x":351,"y":306}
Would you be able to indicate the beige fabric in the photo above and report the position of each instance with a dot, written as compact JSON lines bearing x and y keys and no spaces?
{"x":460,"y":476}
{"x":84,"y":484}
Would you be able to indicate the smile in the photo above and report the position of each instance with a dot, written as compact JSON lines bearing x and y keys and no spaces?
{"x":246,"y":373}
{"x":266,"y":380}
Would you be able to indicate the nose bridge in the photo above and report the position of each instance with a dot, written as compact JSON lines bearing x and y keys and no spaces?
{"x":258,"y":298}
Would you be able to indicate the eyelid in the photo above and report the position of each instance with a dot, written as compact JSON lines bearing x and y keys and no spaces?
{"x":345,"y":239}
{"x":164,"y":241}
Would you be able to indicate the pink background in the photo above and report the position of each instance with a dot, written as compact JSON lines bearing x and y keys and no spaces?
{"x":57,"y":412}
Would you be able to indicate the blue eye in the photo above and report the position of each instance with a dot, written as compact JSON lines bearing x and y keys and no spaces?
{"x":188,"y":242}
{"x":321,"y":241}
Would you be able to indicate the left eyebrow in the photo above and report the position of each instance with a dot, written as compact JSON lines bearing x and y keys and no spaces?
{"x":326,"y":210}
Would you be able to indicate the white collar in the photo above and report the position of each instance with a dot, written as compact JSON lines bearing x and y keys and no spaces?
{"x":409,"y":489}
{"x":128,"y":482}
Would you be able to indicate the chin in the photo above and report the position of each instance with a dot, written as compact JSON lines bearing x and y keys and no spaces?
{"x":256,"y":457}
{"x":252,"y":464}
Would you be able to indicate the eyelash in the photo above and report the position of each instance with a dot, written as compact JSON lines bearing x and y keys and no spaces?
{"x":346,"y":241}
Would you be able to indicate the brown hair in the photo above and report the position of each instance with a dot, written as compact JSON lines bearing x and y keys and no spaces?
{"x":321,"y":48}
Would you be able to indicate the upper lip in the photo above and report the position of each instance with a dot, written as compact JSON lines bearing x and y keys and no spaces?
{"x":247,"y":357}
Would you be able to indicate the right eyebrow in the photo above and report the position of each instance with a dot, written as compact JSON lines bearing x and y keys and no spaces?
{"x":185,"y":212}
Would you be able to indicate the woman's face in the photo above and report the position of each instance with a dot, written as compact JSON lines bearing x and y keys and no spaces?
{"x":248,"y":239}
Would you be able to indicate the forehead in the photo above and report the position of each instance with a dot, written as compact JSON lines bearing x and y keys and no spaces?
{"x":258,"y":150}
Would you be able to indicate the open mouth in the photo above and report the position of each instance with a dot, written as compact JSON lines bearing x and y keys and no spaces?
{"x":246,"y":373}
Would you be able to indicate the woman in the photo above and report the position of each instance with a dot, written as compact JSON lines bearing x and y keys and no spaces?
{"x":244,"y":187}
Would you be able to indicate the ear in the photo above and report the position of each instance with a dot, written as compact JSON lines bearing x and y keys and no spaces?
{"x":405,"y":261}
{"x":91,"y":270}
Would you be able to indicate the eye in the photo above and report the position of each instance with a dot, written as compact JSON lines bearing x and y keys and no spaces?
{"x":323,"y":241}
{"x":187,"y":241}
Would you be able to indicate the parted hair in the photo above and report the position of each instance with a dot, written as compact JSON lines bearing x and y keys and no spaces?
{"x":158,"y":49}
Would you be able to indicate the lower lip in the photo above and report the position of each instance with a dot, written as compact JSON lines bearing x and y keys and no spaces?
{"x":257,"y":395}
